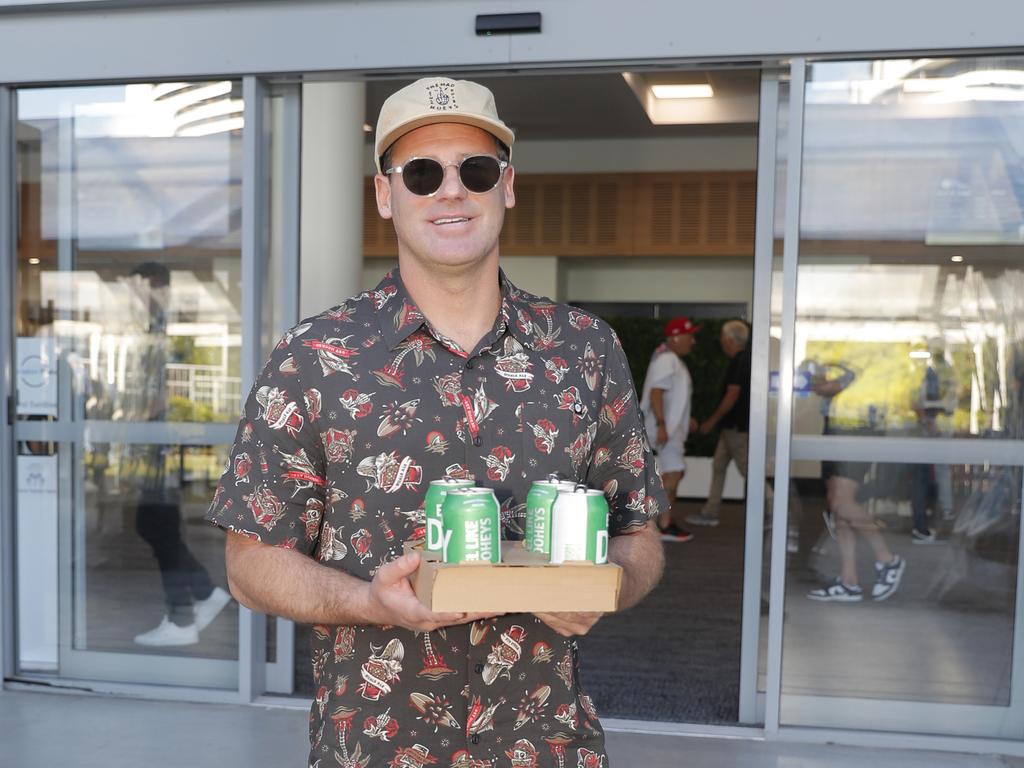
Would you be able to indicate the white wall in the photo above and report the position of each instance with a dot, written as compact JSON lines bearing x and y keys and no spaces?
{"x":718,"y":279}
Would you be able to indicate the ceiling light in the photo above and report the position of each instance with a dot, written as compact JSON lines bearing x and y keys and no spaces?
{"x":679,"y":91}
{"x":33,"y":260}
{"x":367,"y":128}
{"x":956,"y":259}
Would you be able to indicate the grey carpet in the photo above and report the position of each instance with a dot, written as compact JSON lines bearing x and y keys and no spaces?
{"x":676,"y":656}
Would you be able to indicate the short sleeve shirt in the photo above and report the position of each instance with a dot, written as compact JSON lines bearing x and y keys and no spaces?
{"x":669,"y":373}
{"x":738,"y":374}
{"x":356,"y":411}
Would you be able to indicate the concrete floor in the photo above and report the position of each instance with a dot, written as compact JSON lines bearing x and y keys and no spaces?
{"x":40,"y":730}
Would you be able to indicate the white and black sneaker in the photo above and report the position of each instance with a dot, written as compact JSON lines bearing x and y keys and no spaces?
{"x":837,"y":592}
{"x":888,"y":578}
{"x":926,"y":536}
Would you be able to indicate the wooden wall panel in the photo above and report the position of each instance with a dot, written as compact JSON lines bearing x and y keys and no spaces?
{"x":627,"y":214}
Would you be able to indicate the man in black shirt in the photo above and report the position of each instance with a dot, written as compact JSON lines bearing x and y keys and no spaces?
{"x":732,"y":415}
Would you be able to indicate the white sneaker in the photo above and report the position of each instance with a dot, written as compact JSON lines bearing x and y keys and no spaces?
{"x":169,"y":633}
{"x":207,"y":610}
{"x":702,"y":519}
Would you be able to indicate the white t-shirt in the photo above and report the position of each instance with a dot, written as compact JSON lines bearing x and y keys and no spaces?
{"x":668,"y":372}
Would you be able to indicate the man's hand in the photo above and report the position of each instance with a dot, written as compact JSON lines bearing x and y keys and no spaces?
{"x":641,"y":556}
{"x":706,"y":427}
{"x":570,"y":624}
{"x":283,"y":582}
{"x":662,"y":436}
{"x":694,"y":425}
{"x":393,"y":601}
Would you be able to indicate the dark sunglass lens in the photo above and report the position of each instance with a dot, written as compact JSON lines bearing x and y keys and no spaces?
{"x":480,"y":173}
{"x":422,"y":176}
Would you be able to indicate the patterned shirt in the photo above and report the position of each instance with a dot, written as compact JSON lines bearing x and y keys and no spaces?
{"x":356,"y":411}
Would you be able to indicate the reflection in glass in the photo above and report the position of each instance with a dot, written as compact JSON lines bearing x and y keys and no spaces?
{"x":912,"y":222}
{"x":128,"y":315}
{"x":112,"y":181}
{"x":153,"y":571}
{"x":939,"y":628}
{"x":901,"y":577}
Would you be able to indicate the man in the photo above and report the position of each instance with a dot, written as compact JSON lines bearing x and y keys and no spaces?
{"x":846,"y":517}
{"x":732,"y":415}
{"x":192,"y":601}
{"x":444,"y":369}
{"x":934,"y":405}
{"x":666,"y":400}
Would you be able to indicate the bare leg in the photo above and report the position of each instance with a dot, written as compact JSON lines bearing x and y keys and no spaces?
{"x":671,"y":481}
{"x":852,"y":518}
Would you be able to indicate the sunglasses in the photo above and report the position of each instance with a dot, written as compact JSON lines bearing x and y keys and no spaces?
{"x":423,"y":176}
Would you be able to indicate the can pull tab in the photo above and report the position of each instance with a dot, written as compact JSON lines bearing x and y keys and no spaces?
{"x":580,"y":488}
{"x":554,"y":477}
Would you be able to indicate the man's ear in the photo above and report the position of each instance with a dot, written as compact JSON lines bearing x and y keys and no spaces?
{"x":382,"y":189}
{"x":508,"y":181}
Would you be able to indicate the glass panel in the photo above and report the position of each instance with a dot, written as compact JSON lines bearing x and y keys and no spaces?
{"x":910,"y":300}
{"x":128,"y":310}
{"x":129,"y":278}
{"x":149,"y":557}
{"x":938,"y":626}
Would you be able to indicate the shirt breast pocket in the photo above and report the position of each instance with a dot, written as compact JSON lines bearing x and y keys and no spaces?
{"x":555,"y":440}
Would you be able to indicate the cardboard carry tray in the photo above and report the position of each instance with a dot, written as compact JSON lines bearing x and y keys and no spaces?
{"x":523,"y":582}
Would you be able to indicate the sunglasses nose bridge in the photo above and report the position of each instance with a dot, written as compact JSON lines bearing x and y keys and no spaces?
{"x":451,"y":182}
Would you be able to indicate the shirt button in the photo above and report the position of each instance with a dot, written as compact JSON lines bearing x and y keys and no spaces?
{"x":469,"y":365}
{"x":475,"y":739}
{"x":479,"y":668}
{"x":477,"y":441}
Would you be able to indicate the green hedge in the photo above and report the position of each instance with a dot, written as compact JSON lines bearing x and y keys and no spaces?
{"x":707,"y":364}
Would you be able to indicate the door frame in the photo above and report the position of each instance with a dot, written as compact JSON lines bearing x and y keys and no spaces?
{"x":845,"y":713}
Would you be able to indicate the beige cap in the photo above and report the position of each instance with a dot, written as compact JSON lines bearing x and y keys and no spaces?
{"x":437,"y":100}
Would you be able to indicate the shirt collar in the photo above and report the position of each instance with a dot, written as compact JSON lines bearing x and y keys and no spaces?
{"x":399,"y":317}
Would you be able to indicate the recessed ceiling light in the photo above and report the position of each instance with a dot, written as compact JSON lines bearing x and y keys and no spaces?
{"x":680,"y":91}
{"x":957,"y":259}
{"x":33,"y":260}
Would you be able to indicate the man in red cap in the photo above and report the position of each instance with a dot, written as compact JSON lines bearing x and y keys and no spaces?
{"x":667,"y":394}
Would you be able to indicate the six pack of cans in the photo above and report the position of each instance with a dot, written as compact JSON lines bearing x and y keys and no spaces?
{"x":565,"y":521}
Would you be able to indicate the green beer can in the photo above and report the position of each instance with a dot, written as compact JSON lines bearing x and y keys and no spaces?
{"x":436,"y":492}
{"x":579,"y":526}
{"x":539,"y":502}
{"x":471,"y":526}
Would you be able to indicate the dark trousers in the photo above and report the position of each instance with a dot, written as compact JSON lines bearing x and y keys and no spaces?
{"x":184,"y":578}
{"x":921,"y":491}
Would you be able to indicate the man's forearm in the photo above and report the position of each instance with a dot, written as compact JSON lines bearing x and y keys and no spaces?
{"x":642,"y":559}
{"x":732,"y":394}
{"x":658,"y":406}
{"x":282,"y":582}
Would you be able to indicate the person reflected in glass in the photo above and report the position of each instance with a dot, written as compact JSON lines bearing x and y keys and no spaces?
{"x":934,"y":404}
{"x":192,"y":600}
{"x":666,"y":401}
{"x":846,"y":516}
{"x":732,"y":416}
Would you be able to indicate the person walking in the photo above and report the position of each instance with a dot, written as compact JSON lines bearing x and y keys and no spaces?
{"x":732,"y":415}
{"x":666,"y":402}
